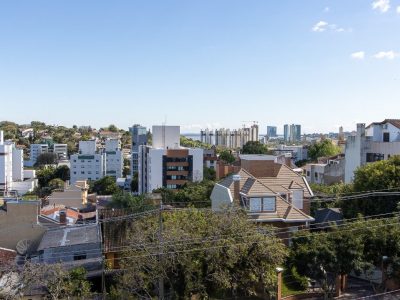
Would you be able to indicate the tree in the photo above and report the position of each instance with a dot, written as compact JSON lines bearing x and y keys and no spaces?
{"x":197,"y":261}
{"x":56,"y":184}
{"x":45,"y":175}
{"x":105,"y":186}
{"x":62,"y":172}
{"x":323,"y":149}
{"x":194,"y":193}
{"x":379,"y":175}
{"x":323,"y":256}
{"x":209,"y":174}
{"x":113,"y":128}
{"x":54,"y":279}
{"x":127,"y":200}
{"x":135,"y":183}
{"x":227,"y":156}
{"x":254,"y":148}
{"x":46,"y":159}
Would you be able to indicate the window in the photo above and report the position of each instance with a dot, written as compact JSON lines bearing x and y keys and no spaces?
{"x":82,"y":172}
{"x":255,"y":205}
{"x":269,"y":204}
{"x":308,"y":173}
{"x":316,"y":175}
{"x":386,"y":137}
{"x":298,"y":196}
{"x":80,"y":256}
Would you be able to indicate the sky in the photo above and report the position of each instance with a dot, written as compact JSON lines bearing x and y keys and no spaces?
{"x":200,"y":64}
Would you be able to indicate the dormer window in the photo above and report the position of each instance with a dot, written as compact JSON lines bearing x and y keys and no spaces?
{"x":262,"y":204}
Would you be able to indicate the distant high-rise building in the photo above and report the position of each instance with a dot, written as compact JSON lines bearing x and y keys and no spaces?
{"x":271,"y":131}
{"x":292,"y":133}
{"x":231,"y":138}
{"x":139,"y":138}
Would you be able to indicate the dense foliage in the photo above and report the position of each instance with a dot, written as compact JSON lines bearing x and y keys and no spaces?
{"x":190,"y":143}
{"x":323,"y":148}
{"x":104,"y":186}
{"x":255,"y":148}
{"x":227,"y":156}
{"x":242,"y":263}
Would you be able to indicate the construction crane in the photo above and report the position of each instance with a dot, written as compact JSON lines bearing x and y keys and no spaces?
{"x":246,"y":122}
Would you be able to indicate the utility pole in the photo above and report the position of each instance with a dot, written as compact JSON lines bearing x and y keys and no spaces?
{"x":160,"y":258}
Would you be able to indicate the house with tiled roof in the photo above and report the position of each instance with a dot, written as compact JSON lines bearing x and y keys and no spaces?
{"x":377,"y":141}
{"x":270,"y":192}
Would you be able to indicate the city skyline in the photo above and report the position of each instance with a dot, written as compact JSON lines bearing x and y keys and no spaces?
{"x":200,"y":65}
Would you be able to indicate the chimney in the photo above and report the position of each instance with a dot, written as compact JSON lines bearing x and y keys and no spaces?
{"x":63,"y":217}
{"x":236,"y":185}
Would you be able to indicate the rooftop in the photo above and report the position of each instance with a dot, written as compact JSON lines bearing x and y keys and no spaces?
{"x":69,"y":236}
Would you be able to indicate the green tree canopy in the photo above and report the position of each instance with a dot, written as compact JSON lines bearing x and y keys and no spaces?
{"x":379,"y":175}
{"x":46,"y":159}
{"x":255,"y":148}
{"x":239,"y":263}
{"x":227,"y":156}
{"x":322,"y":149}
{"x":105,"y":186}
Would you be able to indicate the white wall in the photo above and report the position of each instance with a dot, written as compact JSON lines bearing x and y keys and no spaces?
{"x":87,"y":147}
{"x":87,"y":167}
{"x":154,"y":169}
{"x":166,"y":137}
{"x":18,"y":164}
{"x":197,"y":164}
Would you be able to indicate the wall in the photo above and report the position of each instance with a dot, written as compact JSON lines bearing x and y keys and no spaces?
{"x":166,"y":137}
{"x":355,"y":152}
{"x":198,"y":156}
{"x":154,"y":169}
{"x":19,"y":222}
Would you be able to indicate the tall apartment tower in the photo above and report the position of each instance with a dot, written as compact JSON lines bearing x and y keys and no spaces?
{"x":114,"y":158}
{"x":139,"y":138}
{"x":271,"y":131}
{"x":292,"y":133}
{"x":166,"y":163}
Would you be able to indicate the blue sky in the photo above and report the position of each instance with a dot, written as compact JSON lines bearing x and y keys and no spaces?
{"x":204,"y":63}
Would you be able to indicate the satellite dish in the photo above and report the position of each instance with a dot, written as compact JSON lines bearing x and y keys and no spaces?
{"x":23,"y":246}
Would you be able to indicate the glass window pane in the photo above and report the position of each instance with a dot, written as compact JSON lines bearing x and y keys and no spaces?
{"x":255,"y":204}
{"x":269,"y":204}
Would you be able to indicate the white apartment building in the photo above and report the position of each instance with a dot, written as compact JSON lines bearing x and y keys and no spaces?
{"x":61,"y":150}
{"x":88,"y":164}
{"x":114,"y":158}
{"x":36,"y":151}
{"x":295,"y":152}
{"x":13,"y":178}
{"x":378,"y":141}
{"x":166,"y":163}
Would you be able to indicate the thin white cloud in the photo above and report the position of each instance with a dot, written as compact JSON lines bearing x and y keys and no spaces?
{"x":320,"y":26}
{"x":386,"y":55}
{"x":381,"y":5}
{"x":360,"y":55}
{"x":398,"y":9}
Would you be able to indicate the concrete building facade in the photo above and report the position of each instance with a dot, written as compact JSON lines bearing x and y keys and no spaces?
{"x":292,"y":133}
{"x":13,"y":178}
{"x":139,"y":138}
{"x":378,"y":141}
{"x":114,"y":158}
{"x":166,"y":163}
{"x":88,"y":164}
